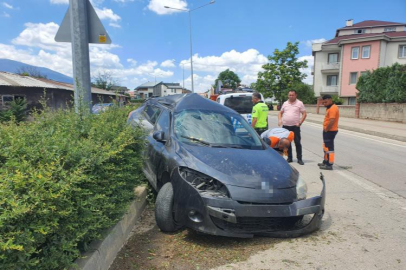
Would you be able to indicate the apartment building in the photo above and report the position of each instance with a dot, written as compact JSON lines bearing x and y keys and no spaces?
{"x":356,"y":48}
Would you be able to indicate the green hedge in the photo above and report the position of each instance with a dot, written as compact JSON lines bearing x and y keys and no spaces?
{"x":383,"y":85}
{"x":64,"y":179}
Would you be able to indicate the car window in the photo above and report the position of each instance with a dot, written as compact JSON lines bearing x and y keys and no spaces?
{"x":163,"y":123}
{"x":215,"y":129}
{"x":240,"y":104}
{"x":151,"y":113}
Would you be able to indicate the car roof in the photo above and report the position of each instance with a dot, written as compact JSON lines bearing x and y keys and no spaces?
{"x":237,"y":94}
{"x":180,"y":102}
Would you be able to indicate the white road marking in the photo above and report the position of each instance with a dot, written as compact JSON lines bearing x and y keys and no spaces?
{"x":396,"y":143}
{"x":381,"y":192}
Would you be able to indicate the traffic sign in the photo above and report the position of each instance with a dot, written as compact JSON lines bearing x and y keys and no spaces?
{"x":96,"y":31}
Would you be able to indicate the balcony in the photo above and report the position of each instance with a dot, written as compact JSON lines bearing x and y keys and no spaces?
{"x":330,"y":89}
{"x":330,"y":67}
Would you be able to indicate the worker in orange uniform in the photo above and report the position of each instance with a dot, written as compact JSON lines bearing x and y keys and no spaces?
{"x":279,"y":139}
{"x":330,"y":130}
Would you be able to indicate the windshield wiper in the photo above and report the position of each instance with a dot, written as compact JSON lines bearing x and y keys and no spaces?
{"x":197,"y":140}
{"x":212,"y":144}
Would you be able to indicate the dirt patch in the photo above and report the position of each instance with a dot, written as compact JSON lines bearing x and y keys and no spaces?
{"x":150,"y":249}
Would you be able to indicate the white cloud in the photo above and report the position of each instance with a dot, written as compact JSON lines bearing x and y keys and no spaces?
{"x":245,"y":64}
{"x":308,"y":43}
{"x":308,"y":70}
{"x":107,"y":14}
{"x":59,"y":1}
{"x":35,"y":45}
{"x":168,"y":63}
{"x":5,"y":15}
{"x":115,"y":25}
{"x":8,"y":5}
{"x":123,"y":1}
{"x":103,"y":13}
{"x":132,"y":61}
{"x":158,"y":6}
{"x":201,"y":83}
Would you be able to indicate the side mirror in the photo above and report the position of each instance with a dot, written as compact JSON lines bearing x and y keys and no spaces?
{"x":159,"y":136}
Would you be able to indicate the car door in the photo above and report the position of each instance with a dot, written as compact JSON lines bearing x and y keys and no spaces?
{"x":148,"y":120}
{"x":157,"y":150}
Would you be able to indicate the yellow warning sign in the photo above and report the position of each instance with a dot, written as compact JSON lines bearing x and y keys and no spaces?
{"x":102,"y":38}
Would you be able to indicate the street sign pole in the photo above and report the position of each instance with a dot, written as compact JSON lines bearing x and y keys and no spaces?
{"x":80,"y":54}
{"x":82,"y":26}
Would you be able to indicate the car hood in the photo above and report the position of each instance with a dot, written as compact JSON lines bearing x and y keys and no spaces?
{"x":240,"y":167}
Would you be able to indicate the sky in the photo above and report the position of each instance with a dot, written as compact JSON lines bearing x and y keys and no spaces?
{"x":151,"y":43}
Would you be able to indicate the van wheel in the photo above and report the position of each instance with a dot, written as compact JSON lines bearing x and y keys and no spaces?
{"x":164,"y":209}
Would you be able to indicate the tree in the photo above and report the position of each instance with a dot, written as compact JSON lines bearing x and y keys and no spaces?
{"x":229,"y":79}
{"x":104,"y":80}
{"x":385,"y":84}
{"x":18,"y":109}
{"x":30,"y":71}
{"x":304,"y":92}
{"x":281,"y":73}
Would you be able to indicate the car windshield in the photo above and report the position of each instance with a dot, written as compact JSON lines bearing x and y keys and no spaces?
{"x":215,"y":129}
{"x":240,"y":104}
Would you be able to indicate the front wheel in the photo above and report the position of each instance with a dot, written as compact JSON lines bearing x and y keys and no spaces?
{"x":164,"y":209}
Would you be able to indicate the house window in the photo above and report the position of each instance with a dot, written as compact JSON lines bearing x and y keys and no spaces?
{"x":332,"y":58}
{"x":7,"y":99}
{"x":402,"y":51}
{"x":354,"y":52}
{"x":332,"y":80}
{"x":366,"y":51}
{"x":359,"y":31}
{"x":351,"y":101}
{"x":389,"y":29}
{"x":353,"y":77}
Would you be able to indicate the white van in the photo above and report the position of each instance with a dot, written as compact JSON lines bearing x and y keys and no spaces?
{"x":239,"y":102}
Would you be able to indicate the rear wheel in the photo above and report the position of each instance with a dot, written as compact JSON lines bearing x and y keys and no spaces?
{"x":164,"y":209}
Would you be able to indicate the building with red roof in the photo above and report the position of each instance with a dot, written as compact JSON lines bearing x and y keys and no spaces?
{"x":355,"y":49}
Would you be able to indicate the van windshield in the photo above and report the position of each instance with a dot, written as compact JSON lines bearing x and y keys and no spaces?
{"x":240,"y":104}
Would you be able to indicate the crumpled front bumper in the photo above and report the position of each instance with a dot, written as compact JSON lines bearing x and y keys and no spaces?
{"x":227,"y":217}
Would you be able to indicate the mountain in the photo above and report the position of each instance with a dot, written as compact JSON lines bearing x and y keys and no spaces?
{"x":13,"y":66}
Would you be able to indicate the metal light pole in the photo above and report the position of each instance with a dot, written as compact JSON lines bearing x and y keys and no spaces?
{"x":190,"y":30}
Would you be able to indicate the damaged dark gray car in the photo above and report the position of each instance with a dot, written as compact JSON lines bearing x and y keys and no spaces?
{"x":215,"y":175}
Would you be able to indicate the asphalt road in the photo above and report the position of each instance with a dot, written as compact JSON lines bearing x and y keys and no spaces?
{"x":381,"y":161}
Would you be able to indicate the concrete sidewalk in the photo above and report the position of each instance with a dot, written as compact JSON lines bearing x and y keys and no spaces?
{"x":389,"y":130}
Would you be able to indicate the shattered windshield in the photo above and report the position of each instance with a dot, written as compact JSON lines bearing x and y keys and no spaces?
{"x":215,"y":129}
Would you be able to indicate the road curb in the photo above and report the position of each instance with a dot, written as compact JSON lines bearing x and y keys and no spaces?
{"x":370,"y":132}
{"x":102,"y":253}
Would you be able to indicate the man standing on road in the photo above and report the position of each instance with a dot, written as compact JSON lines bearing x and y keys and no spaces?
{"x":289,"y":118}
{"x":330,"y":129}
{"x":259,"y":116}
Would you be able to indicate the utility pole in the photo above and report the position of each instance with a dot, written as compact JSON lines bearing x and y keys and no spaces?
{"x":80,"y":53}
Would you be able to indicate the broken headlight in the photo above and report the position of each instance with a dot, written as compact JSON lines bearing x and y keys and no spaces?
{"x":301,"y":189}
{"x":206,"y":185}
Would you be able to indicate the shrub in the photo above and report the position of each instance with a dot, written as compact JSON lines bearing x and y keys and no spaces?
{"x":337,"y":100}
{"x":64,"y":179}
{"x":383,"y":85}
{"x":18,"y":109}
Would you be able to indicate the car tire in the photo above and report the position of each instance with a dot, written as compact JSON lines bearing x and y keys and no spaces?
{"x":164,"y":209}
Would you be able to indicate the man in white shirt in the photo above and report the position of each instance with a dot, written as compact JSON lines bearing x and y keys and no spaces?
{"x":289,"y":118}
